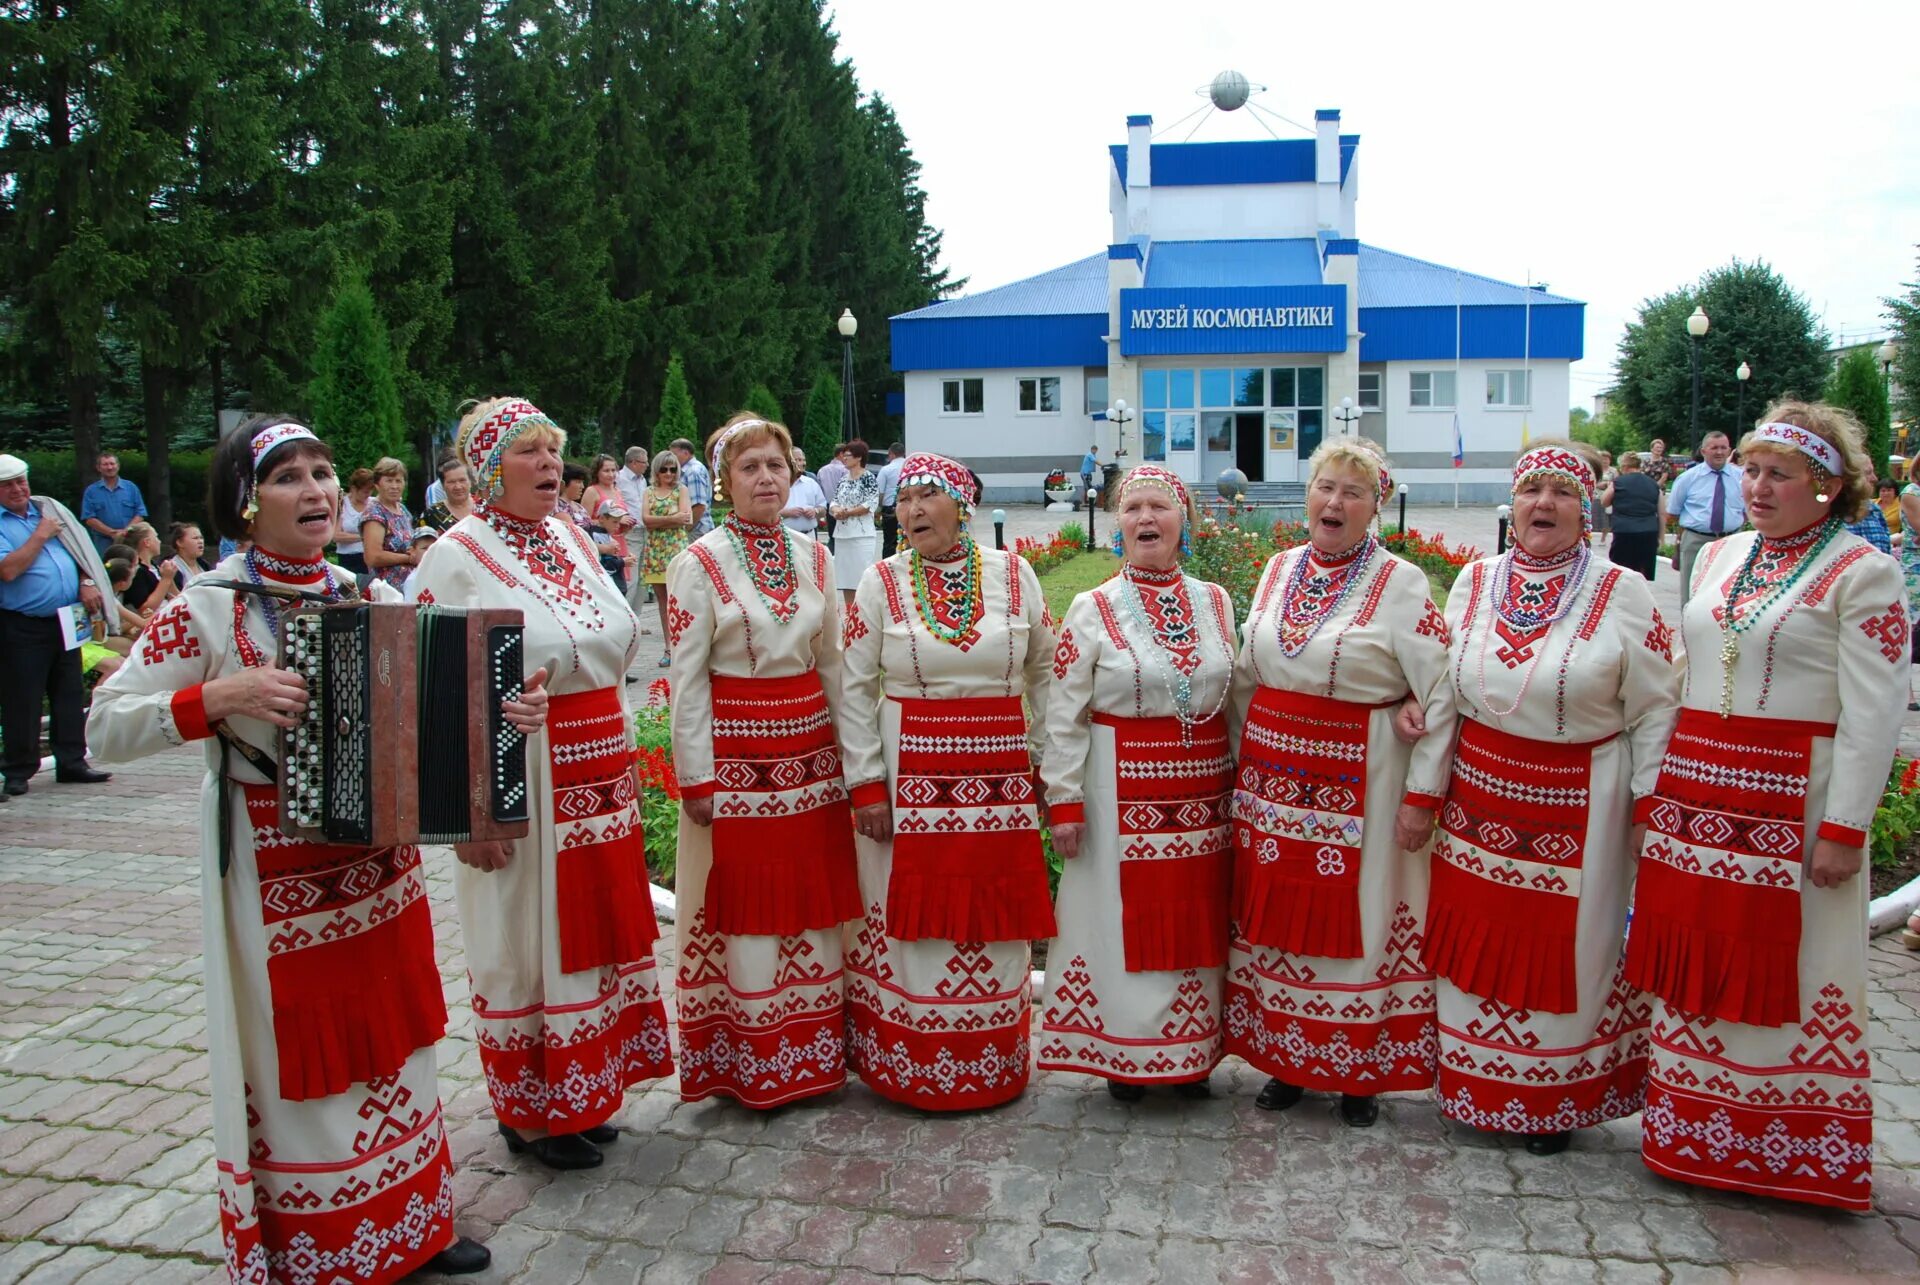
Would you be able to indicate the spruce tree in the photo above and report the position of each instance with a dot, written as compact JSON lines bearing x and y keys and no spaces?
{"x":763,"y":403}
{"x":822,"y":431}
{"x":355,"y":405}
{"x":677,"y":418}
{"x":1858,"y":384}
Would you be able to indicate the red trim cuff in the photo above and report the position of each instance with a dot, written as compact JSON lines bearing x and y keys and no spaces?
{"x":704,"y":790}
{"x":190,"y":713}
{"x":1643,"y":809}
{"x":1066,"y":814}
{"x":1844,"y":835}
{"x":1431,"y":802}
{"x":865,"y":796}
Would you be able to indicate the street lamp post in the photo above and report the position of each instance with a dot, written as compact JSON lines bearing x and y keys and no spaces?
{"x":1696,"y":327}
{"x":1093,"y":506}
{"x":1120,"y":416}
{"x":1346,"y":415}
{"x":1886,"y":352}
{"x":1403,"y":508}
{"x":1742,"y":373}
{"x":849,"y":406}
{"x":1505,"y":511}
{"x":999,"y":528}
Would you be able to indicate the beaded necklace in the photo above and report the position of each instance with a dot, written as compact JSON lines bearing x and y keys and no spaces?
{"x":750,"y":541}
{"x":1528,"y":620}
{"x":1747,"y":590}
{"x":261,"y":566}
{"x":1308,"y":603}
{"x":1179,"y":683}
{"x":927,"y":601}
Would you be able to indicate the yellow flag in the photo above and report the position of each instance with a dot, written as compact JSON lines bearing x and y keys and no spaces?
{"x":1526,"y":438}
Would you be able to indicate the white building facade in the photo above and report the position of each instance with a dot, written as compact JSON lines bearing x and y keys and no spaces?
{"x":1241,"y":320}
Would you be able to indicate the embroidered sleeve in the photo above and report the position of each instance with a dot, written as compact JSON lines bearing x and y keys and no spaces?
{"x":691,"y":617}
{"x":862,"y":689}
{"x":1870,"y":607}
{"x":1649,"y":683}
{"x":1422,"y":652}
{"x":154,"y":701}
{"x":1069,"y":704}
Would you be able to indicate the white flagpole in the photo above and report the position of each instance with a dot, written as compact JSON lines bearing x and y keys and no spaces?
{"x":1456,"y":388}
{"x":1527,"y":362}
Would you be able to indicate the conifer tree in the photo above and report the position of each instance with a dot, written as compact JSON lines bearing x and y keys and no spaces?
{"x":822,"y":431}
{"x":763,"y":403}
{"x":677,"y":418}
{"x":355,"y":405}
{"x":1858,"y":384}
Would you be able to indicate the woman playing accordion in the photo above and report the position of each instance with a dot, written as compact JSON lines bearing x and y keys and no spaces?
{"x":766,"y":876}
{"x":944,"y":641}
{"x":1563,"y":677}
{"x":323,"y":994}
{"x":1749,"y":923}
{"x":558,"y":925}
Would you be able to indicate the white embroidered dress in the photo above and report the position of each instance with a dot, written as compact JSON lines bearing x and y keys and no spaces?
{"x":1111,"y":732}
{"x":354,"y":1183}
{"x":560,"y":1046}
{"x":1562,"y":728}
{"x":1360,"y":1021}
{"x":938,"y":1023}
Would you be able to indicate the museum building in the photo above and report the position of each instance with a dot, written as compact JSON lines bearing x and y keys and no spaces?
{"x":1241,"y":320}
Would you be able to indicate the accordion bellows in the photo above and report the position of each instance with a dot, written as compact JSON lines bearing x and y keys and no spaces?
{"x":403,"y":740}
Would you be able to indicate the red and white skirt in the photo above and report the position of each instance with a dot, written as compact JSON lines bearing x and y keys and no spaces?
{"x":1760,"y":1078}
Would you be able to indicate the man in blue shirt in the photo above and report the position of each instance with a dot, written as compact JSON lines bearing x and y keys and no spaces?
{"x":1089,"y":465}
{"x":110,"y":505}
{"x":1706,"y":503}
{"x":889,"y":496}
{"x":693,"y":476}
{"x":45,"y":565}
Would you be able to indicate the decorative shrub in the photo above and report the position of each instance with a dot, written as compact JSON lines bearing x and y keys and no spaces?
{"x":1898,"y":817}
{"x":1045,"y":557}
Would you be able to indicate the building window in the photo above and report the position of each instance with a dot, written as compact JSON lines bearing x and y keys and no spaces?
{"x":1153,"y":435}
{"x":1096,"y":402}
{"x":1040,"y":394}
{"x":1506,"y":388}
{"x":1430,"y":388}
{"x":963,"y":397}
{"x":1369,"y":398}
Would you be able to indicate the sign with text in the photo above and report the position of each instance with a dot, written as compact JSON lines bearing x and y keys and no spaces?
{"x":1233,"y":319}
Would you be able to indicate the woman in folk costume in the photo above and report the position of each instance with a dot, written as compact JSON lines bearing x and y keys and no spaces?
{"x":323,"y":994}
{"x":1563,"y":678}
{"x":558,"y":925}
{"x":943,"y":641}
{"x":1325,"y":988}
{"x":767,"y":877}
{"x":1749,"y":926}
{"x":1139,"y":781}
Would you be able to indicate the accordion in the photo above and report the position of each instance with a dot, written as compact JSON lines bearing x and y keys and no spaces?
{"x":403,"y":740}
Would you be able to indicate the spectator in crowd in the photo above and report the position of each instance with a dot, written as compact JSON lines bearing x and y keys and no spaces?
{"x":806,"y":502}
{"x":1872,"y":524}
{"x":1705,"y":503}
{"x":456,"y":491}
{"x":437,"y":489}
{"x":856,"y":540}
{"x":110,"y":505}
{"x":632,"y":481}
{"x":386,"y":533}
{"x":186,"y":558}
{"x":1089,"y":467}
{"x":1603,"y":507}
{"x":46,"y":565}
{"x":667,"y":511}
{"x":602,"y":486}
{"x":150,"y":588}
{"x":1659,"y":467}
{"x":123,"y":626}
{"x":353,"y":510}
{"x":1888,"y":502}
{"x":1635,"y":500}
{"x":831,"y":475}
{"x":423,"y":538}
{"x":699,"y":484}
{"x":889,"y":494}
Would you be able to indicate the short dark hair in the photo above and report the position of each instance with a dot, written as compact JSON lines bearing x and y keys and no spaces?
{"x":680,"y":444}
{"x":895,"y":451}
{"x":125,"y":552}
{"x":119,"y":571}
{"x":448,"y":463}
{"x":857,"y":446}
{"x":178,"y":532}
{"x":107,"y":453}
{"x":230,"y":475}
{"x":571,"y":473}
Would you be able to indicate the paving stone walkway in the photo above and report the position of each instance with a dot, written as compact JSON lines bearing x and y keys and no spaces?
{"x":106,"y":1169}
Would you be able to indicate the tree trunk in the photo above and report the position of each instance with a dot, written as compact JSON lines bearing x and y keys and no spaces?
{"x":216,"y":372}
{"x":156,"y":396}
{"x":83,"y":415}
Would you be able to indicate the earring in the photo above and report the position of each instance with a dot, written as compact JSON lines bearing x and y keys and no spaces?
{"x":1821,"y":497}
{"x":1119,"y":547}
{"x":1186,"y":545}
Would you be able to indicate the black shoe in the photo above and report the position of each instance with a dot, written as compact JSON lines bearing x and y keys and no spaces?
{"x":82,"y":775}
{"x":1359,"y":1110}
{"x":1120,"y":1091}
{"x":1549,"y":1144}
{"x":462,"y":1258}
{"x":556,"y":1150}
{"x":1279,"y":1096}
{"x":1194,"y":1089}
{"x":1913,"y":707}
{"x":16,"y":787}
{"x":601,"y":1135}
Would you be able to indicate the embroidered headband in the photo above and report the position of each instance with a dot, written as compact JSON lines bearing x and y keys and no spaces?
{"x":1812,"y":445}
{"x":731,"y":431}
{"x":485,"y":444}
{"x":923,"y":468}
{"x":1558,"y":461}
{"x":1154,"y":475}
{"x":263,"y":445}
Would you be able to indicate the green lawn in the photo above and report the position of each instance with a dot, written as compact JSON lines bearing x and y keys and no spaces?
{"x":1076,"y":576}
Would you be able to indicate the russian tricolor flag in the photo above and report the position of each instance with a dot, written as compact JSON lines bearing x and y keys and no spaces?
{"x":1459,"y":447}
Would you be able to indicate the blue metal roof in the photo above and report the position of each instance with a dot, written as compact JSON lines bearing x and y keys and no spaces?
{"x":1266,"y":160}
{"x":1508,"y":332}
{"x":1389,"y":280}
{"x":1079,"y":287}
{"x":1179,"y":264}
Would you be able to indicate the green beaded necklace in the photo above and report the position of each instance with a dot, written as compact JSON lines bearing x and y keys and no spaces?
{"x":1733,"y":623}
{"x":923,"y":596}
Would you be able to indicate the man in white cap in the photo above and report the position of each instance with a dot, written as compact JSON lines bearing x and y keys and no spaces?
{"x":47,"y":563}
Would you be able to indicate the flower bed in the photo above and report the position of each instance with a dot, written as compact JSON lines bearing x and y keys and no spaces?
{"x":1045,"y":557}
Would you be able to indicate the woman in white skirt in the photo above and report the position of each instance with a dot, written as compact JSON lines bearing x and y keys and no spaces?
{"x":943,"y":643}
{"x":1139,"y":781}
{"x":856,"y":540}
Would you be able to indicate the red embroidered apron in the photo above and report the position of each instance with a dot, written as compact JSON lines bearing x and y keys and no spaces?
{"x":351,"y":973}
{"x":1176,"y":873}
{"x":783,"y":858}
{"x":1716,"y":911}
{"x":1505,"y":899}
{"x":1299,"y":813}
{"x":967,"y":861}
{"x":600,"y":862}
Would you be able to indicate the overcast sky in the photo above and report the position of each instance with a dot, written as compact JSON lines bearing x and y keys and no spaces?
{"x":1614,"y":151}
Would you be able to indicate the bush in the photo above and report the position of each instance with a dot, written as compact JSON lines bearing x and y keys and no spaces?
{"x":1898,"y":817}
{"x":763,"y":403}
{"x":52,"y":473}
{"x":677,"y":416}
{"x":1045,"y":557}
{"x":659,"y":787}
{"x":356,"y":405}
{"x":820,"y":433}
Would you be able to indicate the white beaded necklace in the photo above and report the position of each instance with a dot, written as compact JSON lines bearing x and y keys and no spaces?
{"x":1179,"y":686}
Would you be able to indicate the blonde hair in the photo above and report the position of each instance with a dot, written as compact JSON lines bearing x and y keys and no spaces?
{"x":1839,"y":428}
{"x":660,"y":461}
{"x":389,"y":467}
{"x":758,"y":430}
{"x":1358,"y":453}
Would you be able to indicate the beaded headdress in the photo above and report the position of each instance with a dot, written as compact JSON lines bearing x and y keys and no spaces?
{"x":1812,"y":445}
{"x":263,"y":445}
{"x":923,"y":468}
{"x":1154,"y":475}
{"x":1558,"y":461}
{"x":485,"y":443}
